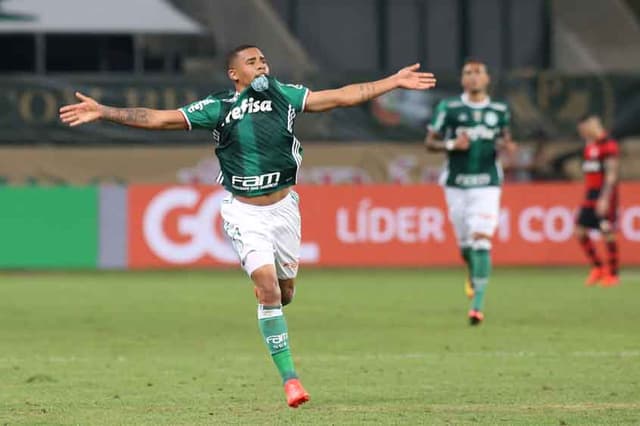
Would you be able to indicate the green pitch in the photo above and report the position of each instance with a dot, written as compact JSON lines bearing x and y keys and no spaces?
{"x":372,"y":347}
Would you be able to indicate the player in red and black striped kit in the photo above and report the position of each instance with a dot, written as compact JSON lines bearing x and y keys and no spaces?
{"x":600,"y":207}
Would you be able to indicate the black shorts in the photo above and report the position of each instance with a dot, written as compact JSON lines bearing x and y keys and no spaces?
{"x":588,"y":218}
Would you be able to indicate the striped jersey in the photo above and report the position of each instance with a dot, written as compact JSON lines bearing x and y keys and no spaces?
{"x":595,"y":155}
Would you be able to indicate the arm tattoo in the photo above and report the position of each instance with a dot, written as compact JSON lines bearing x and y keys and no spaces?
{"x":130,"y":116}
{"x":367,"y":91}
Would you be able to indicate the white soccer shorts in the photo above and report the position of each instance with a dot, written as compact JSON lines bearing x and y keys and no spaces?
{"x":265,"y":235}
{"x":473,"y":210}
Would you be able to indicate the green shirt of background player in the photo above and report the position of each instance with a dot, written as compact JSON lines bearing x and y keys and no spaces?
{"x":259,"y":157}
{"x":471,"y":129}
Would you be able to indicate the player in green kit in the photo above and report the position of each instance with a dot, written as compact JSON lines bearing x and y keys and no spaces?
{"x":252,"y":127}
{"x":471,"y":129}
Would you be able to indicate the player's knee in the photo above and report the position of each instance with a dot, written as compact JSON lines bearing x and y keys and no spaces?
{"x":268,"y":294}
{"x":579,"y":232}
{"x":267,"y":288}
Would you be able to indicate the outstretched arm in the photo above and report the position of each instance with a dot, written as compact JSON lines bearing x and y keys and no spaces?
{"x":88,"y":110}
{"x":354,"y":94}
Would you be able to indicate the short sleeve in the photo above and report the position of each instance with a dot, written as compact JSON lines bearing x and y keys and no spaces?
{"x":505,"y":121}
{"x":613,"y":149}
{"x":439,"y":119}
{"x":296,"y":94}
{"x":202,"y":114}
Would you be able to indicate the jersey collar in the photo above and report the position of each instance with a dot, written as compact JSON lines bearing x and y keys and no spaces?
{"x":483,"y":104}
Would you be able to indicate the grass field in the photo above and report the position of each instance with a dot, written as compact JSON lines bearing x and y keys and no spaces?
{"x":372,"y":347}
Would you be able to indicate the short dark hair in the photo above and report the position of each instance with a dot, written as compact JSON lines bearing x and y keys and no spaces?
{"x":587,"y":116}
{"x":234,"y":52}
{"x":470,"y":61}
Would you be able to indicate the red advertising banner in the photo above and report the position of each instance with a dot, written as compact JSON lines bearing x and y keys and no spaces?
{"x":372,"y":225}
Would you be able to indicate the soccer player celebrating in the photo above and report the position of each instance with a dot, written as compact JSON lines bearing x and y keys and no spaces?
{"x":599,"y":209}
{"x":470,"y":129}
{"x":252,"y":127}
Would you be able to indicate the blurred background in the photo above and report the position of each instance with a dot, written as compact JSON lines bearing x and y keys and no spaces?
{"x":553,"y":61}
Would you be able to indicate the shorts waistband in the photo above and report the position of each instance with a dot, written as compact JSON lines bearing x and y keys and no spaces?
{"x":273,"y":206}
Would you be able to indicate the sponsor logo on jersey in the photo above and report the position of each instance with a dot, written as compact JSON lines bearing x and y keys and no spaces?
{"x":477,"y":132}
{"x":591,"y":166}
{"x":247,"y":106}
{"x":251,"y":183}
{"x":491,"y":118}
{"x":477,"y":115}
{"x":463,"y":117}
{"x":199,"y":106}
{"x":473,"y":180}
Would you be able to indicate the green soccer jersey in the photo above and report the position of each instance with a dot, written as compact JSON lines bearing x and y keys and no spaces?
{"x":253,"y":134}
{"x":484,"y":123}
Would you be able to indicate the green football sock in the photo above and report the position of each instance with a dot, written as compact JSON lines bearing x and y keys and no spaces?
{"x":273,"y":327}
{"x":466,"y":255}
{"x":481,"y":267}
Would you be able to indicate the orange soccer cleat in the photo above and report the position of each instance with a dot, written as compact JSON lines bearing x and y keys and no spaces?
{"x":296,"y":395}
{"x":596,"y":274}
{"x":609,"y":280}
{"x":475,"y":317}
{"x":468,"y":288}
